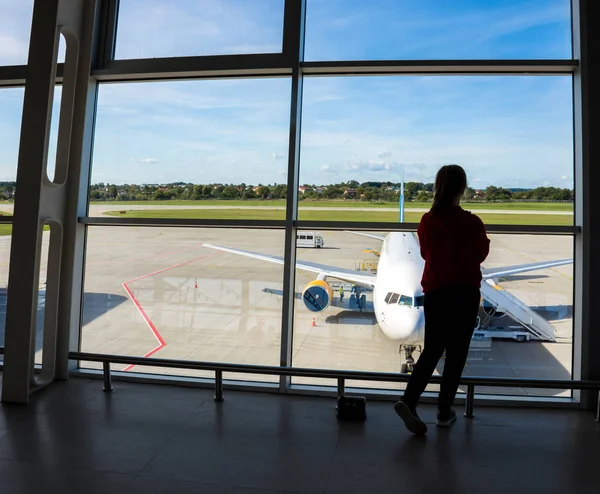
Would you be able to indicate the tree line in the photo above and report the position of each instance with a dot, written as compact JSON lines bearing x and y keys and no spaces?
{"x":352,"y":190}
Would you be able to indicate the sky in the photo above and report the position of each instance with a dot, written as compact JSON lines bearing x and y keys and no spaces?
{"x":512,"y":131}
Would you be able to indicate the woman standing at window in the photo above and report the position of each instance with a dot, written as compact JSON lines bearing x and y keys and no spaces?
{"x":453,"y":244}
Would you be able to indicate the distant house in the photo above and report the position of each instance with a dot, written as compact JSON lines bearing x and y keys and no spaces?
{"x":350,"y":193}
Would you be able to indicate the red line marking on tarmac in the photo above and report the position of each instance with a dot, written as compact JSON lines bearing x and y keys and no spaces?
{"x":172,"y":267}
{"x":161,"y":342}
{"x":155,"y":256}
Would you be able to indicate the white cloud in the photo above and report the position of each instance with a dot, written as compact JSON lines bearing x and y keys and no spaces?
{"x":12,"y":49}
{"x":385,"y":154}
{"x":277,"y":156}
{"x":372,"y":165}
{"x":210,"y":27}
{"x":148,"y":161}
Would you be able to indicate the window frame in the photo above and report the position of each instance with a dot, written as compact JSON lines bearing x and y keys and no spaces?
{"x":290,"y":63}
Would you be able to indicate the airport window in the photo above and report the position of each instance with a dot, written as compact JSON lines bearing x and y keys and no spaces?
{"x":165,"y":28}
{"x":434,"y":30}
{"x":53,"y":139}
{"x":15,"y":28}
{"x":219,"y":149}
{"x":201,"y":142}
{"x":524,"y":329}
{"x":172,"y":293}
{"x":11,"y":108}
{"x":512,"y":134}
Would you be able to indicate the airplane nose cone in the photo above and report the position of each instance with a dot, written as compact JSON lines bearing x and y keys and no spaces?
{"x":404,"y":325}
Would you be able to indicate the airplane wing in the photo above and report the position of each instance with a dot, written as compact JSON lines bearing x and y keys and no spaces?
{"x":363,"y":279}
{"x":522,"y":268}
{"x":370,"y":235}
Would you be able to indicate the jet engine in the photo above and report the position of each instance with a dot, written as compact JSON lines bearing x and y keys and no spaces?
{"x":317,"y":295}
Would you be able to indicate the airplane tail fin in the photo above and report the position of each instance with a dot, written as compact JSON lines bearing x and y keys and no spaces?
{"x":402,"y":197}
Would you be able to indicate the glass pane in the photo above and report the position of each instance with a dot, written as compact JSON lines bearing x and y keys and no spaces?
{"x":221,"y":145}
{"x":53,"y":137}
{"x":430,"y":29}
{"x":41,"y":308}
{"x":5,"y":240}
{"x":512,"y":134}
{"x":15,"y":29}
{"x":159,"y":28}
{"x":160,"y":292}
{"x":11,"y":110}
{"x":528,"y":335}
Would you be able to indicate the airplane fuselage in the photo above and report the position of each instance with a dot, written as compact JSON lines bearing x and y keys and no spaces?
{"x":397,"y":292}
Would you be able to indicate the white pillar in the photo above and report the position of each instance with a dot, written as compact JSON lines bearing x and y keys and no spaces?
{"x":59,"y":203}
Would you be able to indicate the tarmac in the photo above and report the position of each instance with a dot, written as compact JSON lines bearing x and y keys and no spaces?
{"x":158,"y":292}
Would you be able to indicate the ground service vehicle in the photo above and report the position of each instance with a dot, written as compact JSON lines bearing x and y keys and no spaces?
{"x":309,"y":239}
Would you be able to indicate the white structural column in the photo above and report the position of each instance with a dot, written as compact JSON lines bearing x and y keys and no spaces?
{"x":57,"y":203}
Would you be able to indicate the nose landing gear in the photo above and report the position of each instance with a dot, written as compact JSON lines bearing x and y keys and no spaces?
{"x":407,"y":366}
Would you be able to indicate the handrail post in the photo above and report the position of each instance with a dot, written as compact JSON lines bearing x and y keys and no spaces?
{"x":219,"y":385}
{"x":470,"y":402}
{"x":598,"y":408}
{"x":107,"y":378}
{"x":341,"y":386}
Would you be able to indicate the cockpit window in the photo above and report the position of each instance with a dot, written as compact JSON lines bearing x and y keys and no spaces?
{"x":405,"y":300}
{"x":388,"y":297}
{"x":419,"y":300}
{"x":394,"y":298}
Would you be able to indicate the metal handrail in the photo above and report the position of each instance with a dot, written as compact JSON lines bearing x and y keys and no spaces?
{"x":340,"y":375}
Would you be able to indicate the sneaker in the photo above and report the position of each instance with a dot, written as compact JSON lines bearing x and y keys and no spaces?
{"x":446,"y":419}
{"x":411,"y":420}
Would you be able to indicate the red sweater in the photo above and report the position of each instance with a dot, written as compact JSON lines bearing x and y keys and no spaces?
{"x":453,"y":245}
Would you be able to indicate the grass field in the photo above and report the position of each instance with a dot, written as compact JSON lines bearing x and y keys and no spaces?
{"x":530,"y":206}
{"x":7,"y":229}
{"x":386,"y":216}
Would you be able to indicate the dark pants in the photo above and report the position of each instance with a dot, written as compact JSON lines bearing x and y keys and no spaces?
{"x":450,"y":317}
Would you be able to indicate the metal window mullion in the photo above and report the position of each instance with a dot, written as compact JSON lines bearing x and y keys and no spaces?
{"x":434,"y":67}
{"x":411,"y":227}
{"x":107,"y":38}
{"x":514,"y":229}
{"x":194,"y":67}
{"x":293,"y":47}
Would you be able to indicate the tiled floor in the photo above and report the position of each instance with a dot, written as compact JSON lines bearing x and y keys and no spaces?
{"x":153,"y":439}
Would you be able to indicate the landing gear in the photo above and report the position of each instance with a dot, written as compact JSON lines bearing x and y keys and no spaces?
{"x":409,"y":362}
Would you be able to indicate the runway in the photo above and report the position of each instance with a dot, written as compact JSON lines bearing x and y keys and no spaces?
{"x":98,"y":209}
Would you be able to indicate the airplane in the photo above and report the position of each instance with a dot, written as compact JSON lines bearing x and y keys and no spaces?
{"x":397,"y":293}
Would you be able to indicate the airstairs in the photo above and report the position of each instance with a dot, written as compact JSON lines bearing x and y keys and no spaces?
{"x":502,"y":301}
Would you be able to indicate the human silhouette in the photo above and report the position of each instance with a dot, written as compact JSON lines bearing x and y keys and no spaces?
{"x":453,"y":244}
